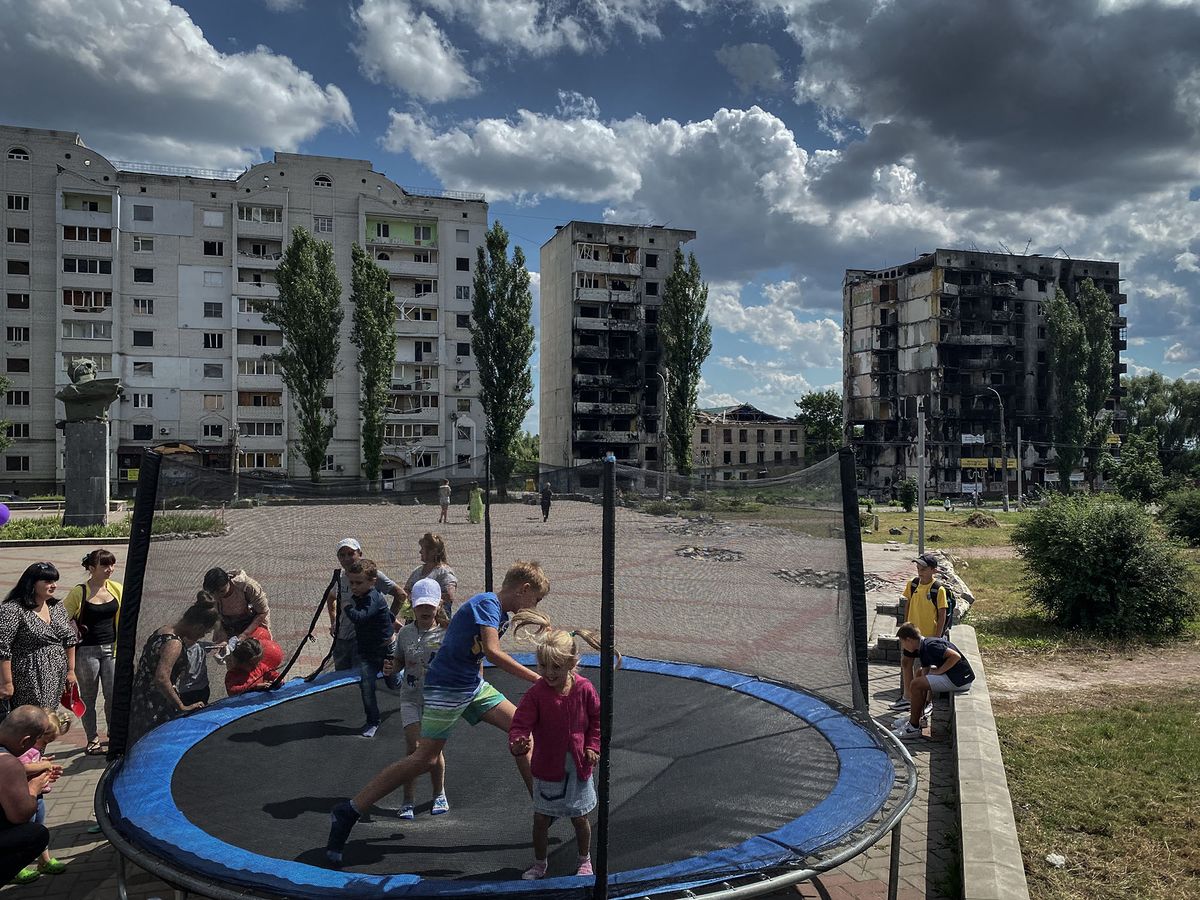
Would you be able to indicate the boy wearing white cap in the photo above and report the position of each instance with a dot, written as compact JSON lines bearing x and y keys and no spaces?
{"x":345,"y":656}
{"x":416,"y":645}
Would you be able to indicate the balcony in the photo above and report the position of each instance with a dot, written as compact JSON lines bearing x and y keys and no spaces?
{"x":585,"y":352}
{"x":252,"y":321}
{"x":88,"y":219}
{"x":587,"y":323}
{"x":257,"y":290}
{"x":83,"y":282}
{"x":262,"y":413}
{"x":253,"y":228}
{"x":409,"y":356}
{"x":603,"y":267}
{"x":408,"y":268}
{"x":582,"y":380}
{"x":377,"y":241}
{"x":979,"y":340}
{"x":98,"y":249}
{"x":606,"y":437}
{"x":591,"y":295}
{"x":605,"y":408}
{"x":247,"y":260}
{"x":1000,"y":289}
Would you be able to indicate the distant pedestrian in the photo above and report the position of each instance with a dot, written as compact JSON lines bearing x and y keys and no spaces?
{"x":444,"y":501}
{"x":547,"y":496}
{"x":947,"y":504}
{"x":475,"y":506}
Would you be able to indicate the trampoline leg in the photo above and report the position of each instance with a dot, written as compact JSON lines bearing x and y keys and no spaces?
{"x":894,"y":868}
{"x":122,"y":893}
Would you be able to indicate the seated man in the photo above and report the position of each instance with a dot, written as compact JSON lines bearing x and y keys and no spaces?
{"x":944,"y":670}
{"x":21,"y":839}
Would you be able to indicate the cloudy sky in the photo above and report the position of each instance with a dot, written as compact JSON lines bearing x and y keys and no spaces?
{"x":797,"y":137}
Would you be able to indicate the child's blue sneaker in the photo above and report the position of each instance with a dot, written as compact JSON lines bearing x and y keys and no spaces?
{"x":440,"y":805}
{"x":406,"y":811}
{"x":341,"y":821}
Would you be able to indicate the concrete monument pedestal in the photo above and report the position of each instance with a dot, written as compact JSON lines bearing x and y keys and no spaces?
{"x":87,"y":473}
{"x":87,"y":468}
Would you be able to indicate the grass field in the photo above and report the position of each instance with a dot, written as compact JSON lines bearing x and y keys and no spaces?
{"x":948,"y":527}
{"x":1111,"y":786}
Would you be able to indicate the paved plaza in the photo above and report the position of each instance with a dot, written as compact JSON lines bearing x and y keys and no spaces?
{"x":735,"y":611}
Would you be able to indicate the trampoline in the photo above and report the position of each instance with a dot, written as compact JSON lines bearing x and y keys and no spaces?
{"x":722,"y":783}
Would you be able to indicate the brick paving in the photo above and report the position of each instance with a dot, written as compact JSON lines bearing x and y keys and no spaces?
{"x":664,"y":596}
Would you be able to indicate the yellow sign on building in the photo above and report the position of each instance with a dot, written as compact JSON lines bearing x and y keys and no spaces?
{"x":998,"y":462}
{"x":974,"y":462}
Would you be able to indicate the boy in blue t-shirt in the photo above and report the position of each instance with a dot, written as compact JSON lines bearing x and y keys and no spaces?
{"x":455,"y":689}
{"x":373,"y":627}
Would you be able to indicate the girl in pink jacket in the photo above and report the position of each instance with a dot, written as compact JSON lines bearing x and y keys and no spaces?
{"x":561,"y":712}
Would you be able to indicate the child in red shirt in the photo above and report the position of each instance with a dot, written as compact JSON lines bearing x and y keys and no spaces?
{"x":562,"y":714}
{"x":252,"y":665}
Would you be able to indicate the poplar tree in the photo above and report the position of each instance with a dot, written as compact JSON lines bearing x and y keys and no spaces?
{"x":1081,"y":361}
{"x":5,"y":440}
{"x":309,"y":313}
{"x":502,"y":339}
{"x":686,"y":339}
{"x":373,"y":333}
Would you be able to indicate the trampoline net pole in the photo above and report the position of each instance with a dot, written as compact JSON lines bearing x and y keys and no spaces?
{"x":607,"y":628}
{"x":131,"y":602}
{"x":487,"y":520}
{"x":854,"y":573}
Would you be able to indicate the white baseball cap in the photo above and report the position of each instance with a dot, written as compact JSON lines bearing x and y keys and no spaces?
{"x":426,"y":592}
{"x":351,"y":543}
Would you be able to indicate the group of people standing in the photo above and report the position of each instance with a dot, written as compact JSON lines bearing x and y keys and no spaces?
{"x":53,"y":651}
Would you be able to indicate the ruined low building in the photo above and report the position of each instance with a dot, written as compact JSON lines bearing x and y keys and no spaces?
{"x":741,"y":442}
{"x":958,"y":331}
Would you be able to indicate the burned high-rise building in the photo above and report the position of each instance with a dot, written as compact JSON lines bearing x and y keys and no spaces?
{"x":959,"y":332}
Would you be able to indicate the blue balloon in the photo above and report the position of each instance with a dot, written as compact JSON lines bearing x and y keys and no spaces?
{"x":4,"y":514}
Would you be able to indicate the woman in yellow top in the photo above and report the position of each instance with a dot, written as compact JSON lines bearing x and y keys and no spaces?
{"x":95,"y":608}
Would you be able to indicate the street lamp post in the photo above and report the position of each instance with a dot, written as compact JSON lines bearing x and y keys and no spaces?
{"x":1003,"y":447}
{"x":662,"y":435}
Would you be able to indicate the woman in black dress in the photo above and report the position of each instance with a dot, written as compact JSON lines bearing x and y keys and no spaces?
{"x":37,"y":642}
{"x":163,"y":660}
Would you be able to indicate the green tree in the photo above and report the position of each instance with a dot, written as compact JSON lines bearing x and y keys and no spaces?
{"x":526,"y":447}
{"x":906,"y":493}
{"x":1138,"y":474}
{"x":686,"y":336}
{"x":502,"y":336}
{"x":5,"y":440}
{"x":1172,"y":408}
{"x":1096,"y":563}
{"x":821,"y":415}
{"x":1081,"y":361}
{"x":309,"y":313}
{"x":373,"y":333}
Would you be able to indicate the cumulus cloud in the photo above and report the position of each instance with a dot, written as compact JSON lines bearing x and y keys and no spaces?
{"x":1065,"y":108}
{"x":1181,"y":353}
{"x":753,"y":67}
{"x":141,"y":81}
{"x":775,"y":324}
{"x":574,"y":105}
{"x":404,"y":47}
{"x":1187,"y":262}
{"x":1191,"y":375}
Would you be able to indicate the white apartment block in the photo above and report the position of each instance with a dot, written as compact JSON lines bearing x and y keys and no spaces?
{"x":159,"y":274}
{"x":600,"y":386}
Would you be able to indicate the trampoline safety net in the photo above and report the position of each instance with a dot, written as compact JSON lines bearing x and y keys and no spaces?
{"x":739,"y":752}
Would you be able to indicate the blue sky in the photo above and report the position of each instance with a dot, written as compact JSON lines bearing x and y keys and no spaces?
{"x":797,"y":137}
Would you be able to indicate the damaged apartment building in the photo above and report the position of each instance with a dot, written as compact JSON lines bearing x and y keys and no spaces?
{"x":960,"y":332}
{"x":600,"y":385}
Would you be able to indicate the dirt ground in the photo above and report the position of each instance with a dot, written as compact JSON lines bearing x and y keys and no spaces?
{"x":1015,"y":678}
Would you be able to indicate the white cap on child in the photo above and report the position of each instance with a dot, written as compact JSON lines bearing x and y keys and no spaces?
{"x":427,"y":592}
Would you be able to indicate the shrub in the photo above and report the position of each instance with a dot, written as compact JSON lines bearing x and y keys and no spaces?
{"x":50,"y":527}
{"x":866,"y":518}
{"x":183,"y":502}
{"x":907,"y":493}
{"x":53,"y":498}
{"x":1138,"y":475}
{"x":660,"y":508}
{"x":1181,"y":514}
{"x":1095,"y":563}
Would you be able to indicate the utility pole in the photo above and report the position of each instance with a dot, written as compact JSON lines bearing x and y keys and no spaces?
{"x":1020,"y":480}
{"x":920,"y":475}
{"x":236,"y":462}
{"x":1003,"y":447}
